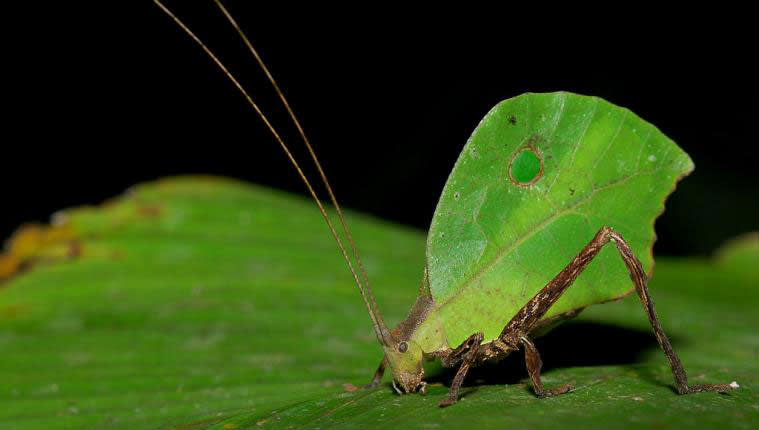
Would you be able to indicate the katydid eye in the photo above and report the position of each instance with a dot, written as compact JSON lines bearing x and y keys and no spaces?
{"x":403,"y":347}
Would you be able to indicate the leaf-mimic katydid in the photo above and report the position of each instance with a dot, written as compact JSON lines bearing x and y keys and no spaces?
{"x":540,"y":176}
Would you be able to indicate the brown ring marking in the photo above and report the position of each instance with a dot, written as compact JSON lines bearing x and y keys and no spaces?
{"x":534,"y":150}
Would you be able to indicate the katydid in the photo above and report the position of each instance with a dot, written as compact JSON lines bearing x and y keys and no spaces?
{"x":540,"y":176}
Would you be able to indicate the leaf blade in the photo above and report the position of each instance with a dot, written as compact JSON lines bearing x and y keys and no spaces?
{"x":251,"y":322}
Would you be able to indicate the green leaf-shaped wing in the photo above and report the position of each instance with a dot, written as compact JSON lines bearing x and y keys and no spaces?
{"x":538,"y":177}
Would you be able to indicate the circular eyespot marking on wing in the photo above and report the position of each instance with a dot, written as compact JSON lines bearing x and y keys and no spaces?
{"x":402,"y":347}
{"x":526,"y":167}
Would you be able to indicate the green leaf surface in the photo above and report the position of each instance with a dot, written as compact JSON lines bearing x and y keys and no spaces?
{"x":198,"y":303}
{"x":540,"y":175}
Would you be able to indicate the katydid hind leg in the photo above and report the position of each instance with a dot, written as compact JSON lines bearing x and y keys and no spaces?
{"x":466,"y":353}
{"x":530,"y":314}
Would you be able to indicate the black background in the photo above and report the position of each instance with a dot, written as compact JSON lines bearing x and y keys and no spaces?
{"x":99,"y":97}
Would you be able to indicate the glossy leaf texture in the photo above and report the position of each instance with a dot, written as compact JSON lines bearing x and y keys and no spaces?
{"x":537,"y":179}
{"x":199,"y":303}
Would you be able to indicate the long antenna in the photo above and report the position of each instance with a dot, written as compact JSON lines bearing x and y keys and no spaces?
{"x":306,"y":141}
{"x":380,"y":328}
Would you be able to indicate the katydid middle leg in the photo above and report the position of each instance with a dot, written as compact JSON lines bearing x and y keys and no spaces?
{"x":465,"y":354}
{"x":534,"y":363}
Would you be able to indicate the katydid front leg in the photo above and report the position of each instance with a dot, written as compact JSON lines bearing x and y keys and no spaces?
{"x":377,"y":375}
{"x":530,"y":314}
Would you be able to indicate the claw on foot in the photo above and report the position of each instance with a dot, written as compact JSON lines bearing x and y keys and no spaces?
{"x":351,"y":388}
{"x":556,"y":391}
{"x":718,"y":388}
{"x":447,"y":402}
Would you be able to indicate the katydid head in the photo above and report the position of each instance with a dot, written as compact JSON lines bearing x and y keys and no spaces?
{"x":403,"y":356}
{"x":405,"y":360}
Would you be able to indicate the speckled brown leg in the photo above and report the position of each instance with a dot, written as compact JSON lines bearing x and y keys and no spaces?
{"x":531,"y":313}
{"x":466,"y":353}
{"x":534,"y":363}
{"x":377,"y":375}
